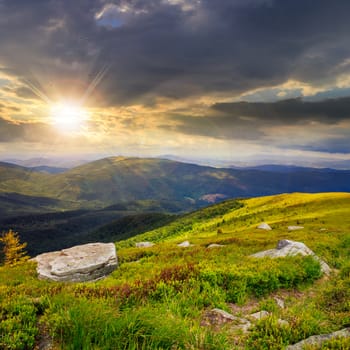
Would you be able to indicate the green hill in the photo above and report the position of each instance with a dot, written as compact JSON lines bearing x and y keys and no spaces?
{"x":116,"y":179}
{"x":160,"y":297}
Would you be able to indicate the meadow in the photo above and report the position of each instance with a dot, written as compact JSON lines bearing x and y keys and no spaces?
{"x":158,"y":297}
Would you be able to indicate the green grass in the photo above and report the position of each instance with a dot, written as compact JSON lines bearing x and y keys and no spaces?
{"x":157,"y":297}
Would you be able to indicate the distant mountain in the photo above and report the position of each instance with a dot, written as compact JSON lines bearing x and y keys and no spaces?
{"x":276,"y":168}
{"x":57,"y":162}
{"x":48,"y":169}
{"x":113,"y":180}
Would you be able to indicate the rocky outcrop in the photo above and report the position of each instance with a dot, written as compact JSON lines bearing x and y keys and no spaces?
{"x":144,"y":244}
{"x":286,"y":247}
{"x":318,"y":340}
{"x":217,"y":318}
{"x":81,"y":263}
{"x":264,"y":226}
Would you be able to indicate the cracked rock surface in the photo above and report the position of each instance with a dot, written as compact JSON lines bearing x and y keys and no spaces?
{"x":80,"y":263}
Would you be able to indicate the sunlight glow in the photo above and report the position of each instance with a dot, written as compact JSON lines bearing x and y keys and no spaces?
{"x":68,"y":116}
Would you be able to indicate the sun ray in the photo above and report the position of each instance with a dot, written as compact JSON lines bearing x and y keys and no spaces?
{"x":99,"y":76}
{"x":41,"y":94}
{"x":66,"y":114}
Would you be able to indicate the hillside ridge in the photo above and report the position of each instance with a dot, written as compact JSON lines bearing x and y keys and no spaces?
{"x":111,"y":180}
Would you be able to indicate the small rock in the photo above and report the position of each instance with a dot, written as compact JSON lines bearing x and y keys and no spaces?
{"x":144,"y":244}
{"x":184,"y":244}
{"x":214,"y":245}
{"x":294,"y":228}
{"x":279,"y":302}
{"x":260,"y":315}
{"x":318,"y":340}
{"x":282,"y":323}
{"x":222,"y":314}
{"x":264,"y":226}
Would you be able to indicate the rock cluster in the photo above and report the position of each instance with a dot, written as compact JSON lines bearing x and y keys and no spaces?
{"x":81,"y":263}
{"x":217,"y":318}
{"x":286,"y":247}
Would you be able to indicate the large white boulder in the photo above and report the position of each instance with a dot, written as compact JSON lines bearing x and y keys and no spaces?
{"x":286,"y":247}
{"x":78,"y":264}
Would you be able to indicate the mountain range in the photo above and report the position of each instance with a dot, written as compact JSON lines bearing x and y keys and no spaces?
{"x":72,"y":204}
{"x":117,"y":179}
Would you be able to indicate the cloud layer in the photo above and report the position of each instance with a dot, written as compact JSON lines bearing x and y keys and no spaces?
{"x":227,"y":70}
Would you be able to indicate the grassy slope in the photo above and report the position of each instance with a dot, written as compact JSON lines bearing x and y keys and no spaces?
{"x":316,"y":212}
{"x":157,"y":297}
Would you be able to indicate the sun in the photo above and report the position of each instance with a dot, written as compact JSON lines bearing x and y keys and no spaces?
{"x":68,"y":116}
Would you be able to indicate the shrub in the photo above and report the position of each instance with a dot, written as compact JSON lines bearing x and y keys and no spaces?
{"x":13,"y":249}
{"x":17,"y":324}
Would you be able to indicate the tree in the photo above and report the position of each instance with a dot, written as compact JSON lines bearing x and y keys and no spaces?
{"x":13,"y":249}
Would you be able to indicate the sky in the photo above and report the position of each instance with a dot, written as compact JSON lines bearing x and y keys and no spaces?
{"x":238,"y":81}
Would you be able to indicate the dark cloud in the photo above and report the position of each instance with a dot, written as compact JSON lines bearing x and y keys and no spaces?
{"x":258,"y":122}
{"x":175,"y":49}
{"x":247,"y":120}
{"x":26,"y":132}
{"x":219,"y":127}
{"x":25,"y":92}
{"x":289,"y":112}
{"x":13,"y":108}
{"x":10,"y":132}
{"x":328,"y":145}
